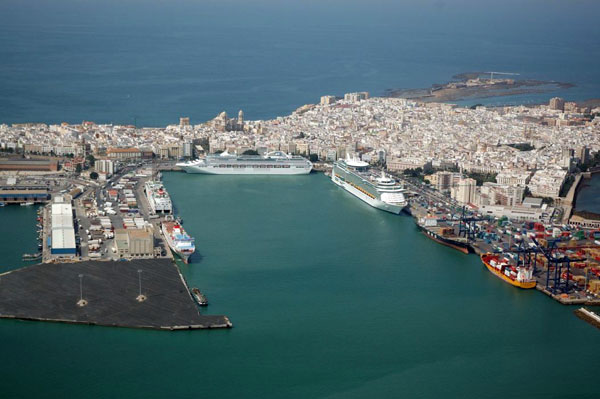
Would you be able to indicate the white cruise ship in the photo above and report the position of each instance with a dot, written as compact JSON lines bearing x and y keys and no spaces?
{"x":158,"y":198}
{"x":381,"y":192}
{"x":273,"y":163}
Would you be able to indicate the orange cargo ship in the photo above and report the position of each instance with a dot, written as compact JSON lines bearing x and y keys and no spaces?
{"x":520,"y":276}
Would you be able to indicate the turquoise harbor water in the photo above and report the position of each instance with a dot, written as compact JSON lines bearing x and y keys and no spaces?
{"x":589,"y":195}
{"x":330,"y":299}
{"x":17,"y":235}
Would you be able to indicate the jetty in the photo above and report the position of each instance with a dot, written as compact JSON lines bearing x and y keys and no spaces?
{"x":588,"y":316}
{"x":140,"y":293}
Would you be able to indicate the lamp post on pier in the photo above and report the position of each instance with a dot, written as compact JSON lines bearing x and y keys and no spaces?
{"x":141,"y":297}
{"x":81,"y":302}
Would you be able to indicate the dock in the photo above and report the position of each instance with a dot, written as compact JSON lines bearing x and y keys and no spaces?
{"x":140,"y":293}
{"x":588,"y":316}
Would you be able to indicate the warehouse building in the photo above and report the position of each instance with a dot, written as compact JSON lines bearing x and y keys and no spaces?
{"x":43,"y":165}
{"x":134,"y":243}
{"x":62,"y":241}
{"x":18,"y":196}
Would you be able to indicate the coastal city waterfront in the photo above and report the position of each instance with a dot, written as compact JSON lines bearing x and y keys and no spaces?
{"x":498,"y":182}
{"x":374,"y":292}
{"x":299,"y":199}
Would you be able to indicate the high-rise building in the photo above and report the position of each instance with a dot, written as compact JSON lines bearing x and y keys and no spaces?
{"x":444,"y":181}
{"x":464,"y":191}
{"x":557,"y":103}
{"x":327,"y":100}
{"x":355,"y":97}
{"x":583,"y":153}
{"x":105,"y":166}
{"x":567,"y":156}
{"x":188,"y":149}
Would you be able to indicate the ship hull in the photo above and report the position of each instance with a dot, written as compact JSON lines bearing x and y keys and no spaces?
{"x":464,"y":248}
{"x":184,"y":257}
{"x":374,"y":202}
{"x":524,"y":285}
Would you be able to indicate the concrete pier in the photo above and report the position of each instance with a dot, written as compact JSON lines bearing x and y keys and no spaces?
{"x":104,"y":293}
{"x":588,"y":316}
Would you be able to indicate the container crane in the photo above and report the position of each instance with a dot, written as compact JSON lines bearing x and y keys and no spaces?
{"x":558,"y":261}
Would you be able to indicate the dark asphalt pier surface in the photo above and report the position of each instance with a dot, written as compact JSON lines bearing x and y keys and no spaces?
{"x":51,"y":291}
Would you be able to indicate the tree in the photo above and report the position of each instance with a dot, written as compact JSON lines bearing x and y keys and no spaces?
{"x":313,"y":157}
{"x":413,"y":172}
{"x":78,"y":168}
{"x":91,"y":159}
{"x":428,"y":169}
{"x":94,"y":176}
{"x":250,"y":152}
{"x":483,"y":177}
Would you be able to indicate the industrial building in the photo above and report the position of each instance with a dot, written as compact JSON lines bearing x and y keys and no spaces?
{"x":43,"y":165}
{"x":62,"y":242}
{"x":124,"y":154}
{"x":24,"y":195}
{"x":134,"y":243}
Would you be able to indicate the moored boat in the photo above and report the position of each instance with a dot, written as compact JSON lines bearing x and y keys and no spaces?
{"x":272,"y":163}
{"x":518,"y":276}
{"x":179,"y":241}
{"x":381,"y":192}
{"x":199,"y":297}
{"x":458,"y":243}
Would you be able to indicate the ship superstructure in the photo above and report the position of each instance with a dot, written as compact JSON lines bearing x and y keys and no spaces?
{"x":158,"y":198}
{"x":382,"y":192}
{"x":273,"y":163}
{"x":179,"y":241}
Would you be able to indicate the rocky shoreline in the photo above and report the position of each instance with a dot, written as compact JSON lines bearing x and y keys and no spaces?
{"x":477,"y":85}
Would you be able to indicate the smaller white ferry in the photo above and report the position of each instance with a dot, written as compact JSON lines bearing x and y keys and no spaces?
{"x":179,"y":241}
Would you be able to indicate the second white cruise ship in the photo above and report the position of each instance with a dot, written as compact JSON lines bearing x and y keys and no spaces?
{"x":381,"y":192}
{"x":273,"y":163}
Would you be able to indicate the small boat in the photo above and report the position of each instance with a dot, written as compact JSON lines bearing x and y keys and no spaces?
{"x":2,"y":204}
{"x":28,"y":203}
{"x":199,"y":297}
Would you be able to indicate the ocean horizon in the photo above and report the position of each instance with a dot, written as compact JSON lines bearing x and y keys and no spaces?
{"x":149,"y":62}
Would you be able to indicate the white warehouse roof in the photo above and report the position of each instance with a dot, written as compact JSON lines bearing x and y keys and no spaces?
{"x":63,"y":238}
{"x":62,"y":222}
{"x":62,"y":209}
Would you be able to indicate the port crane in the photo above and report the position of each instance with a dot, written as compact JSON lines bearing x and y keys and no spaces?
{"x":467,"y":226}
{"x":500,"y":73}
{"x":527,"y":256}
{"x":557,"y":260}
